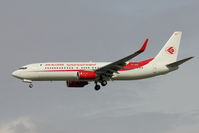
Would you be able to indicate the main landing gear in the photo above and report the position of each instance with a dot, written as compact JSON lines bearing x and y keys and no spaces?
{"x":97,"y":87}
{"x":103,"y":83}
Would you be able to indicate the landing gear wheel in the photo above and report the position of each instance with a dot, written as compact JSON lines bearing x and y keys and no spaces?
{"x":30,"y":85}
{"x":104,"y":83}
{"x":97,"y":87}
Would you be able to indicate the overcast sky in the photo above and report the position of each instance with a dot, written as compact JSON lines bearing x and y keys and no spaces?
{"x":34,"y":31}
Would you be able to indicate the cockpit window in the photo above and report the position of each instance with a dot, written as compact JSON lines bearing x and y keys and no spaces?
{"x":23,"y":68}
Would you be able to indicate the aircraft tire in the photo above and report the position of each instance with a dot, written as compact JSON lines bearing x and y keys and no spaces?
{"x":97,"y":87}
{"x":104,"y":83}
{"x":30,"y":85}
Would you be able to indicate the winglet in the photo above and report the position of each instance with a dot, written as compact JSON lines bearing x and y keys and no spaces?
{"x":144,"y":45}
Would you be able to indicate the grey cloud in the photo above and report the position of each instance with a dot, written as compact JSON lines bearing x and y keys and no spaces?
{"x":193,"y":128}
{"x":141,"y":122}
{"x":20,"y":125}
{"x":155,"y":122}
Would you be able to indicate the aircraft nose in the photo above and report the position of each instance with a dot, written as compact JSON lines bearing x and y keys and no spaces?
{"x":16,"y":74}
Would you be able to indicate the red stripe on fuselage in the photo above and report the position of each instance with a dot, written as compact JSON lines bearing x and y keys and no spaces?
{"x":127,"y":67}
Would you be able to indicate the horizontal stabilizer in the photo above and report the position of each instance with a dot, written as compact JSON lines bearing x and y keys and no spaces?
{"x":177,"y":63}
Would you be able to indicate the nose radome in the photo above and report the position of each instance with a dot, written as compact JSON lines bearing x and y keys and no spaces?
{"x":15,"y":74}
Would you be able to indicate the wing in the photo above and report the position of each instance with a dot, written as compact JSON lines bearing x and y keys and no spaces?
{"x":108,"y":70}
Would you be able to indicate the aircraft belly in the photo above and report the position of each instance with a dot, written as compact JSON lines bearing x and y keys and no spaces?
{"x":134,"y":74}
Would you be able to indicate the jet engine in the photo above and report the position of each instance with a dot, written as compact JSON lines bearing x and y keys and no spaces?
{"x":76,"y":83}
{"x":87,"y":75}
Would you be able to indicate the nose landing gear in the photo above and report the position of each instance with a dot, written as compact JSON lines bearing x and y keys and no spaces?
{"x":30,"y":85}
{"x":28,"y":81}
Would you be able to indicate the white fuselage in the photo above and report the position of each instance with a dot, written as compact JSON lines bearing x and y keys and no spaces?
{"x":60,"y":71}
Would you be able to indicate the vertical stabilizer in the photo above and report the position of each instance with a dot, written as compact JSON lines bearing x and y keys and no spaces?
{"x":168,"y":54}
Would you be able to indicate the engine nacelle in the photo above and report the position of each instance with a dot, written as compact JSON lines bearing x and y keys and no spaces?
{"x":87,"y":75}
{"x":76,"y":83}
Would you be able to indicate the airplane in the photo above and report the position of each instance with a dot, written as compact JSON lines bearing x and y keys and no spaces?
{"x":80,"y":74}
